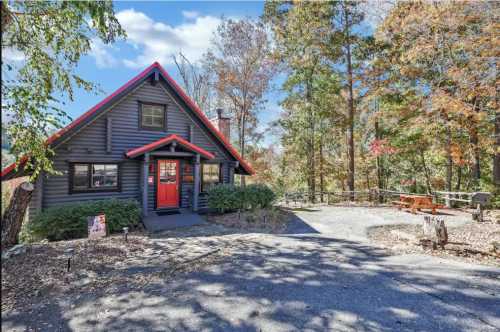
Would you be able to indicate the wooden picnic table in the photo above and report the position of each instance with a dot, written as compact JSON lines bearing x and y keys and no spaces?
{"x":417,"y":202}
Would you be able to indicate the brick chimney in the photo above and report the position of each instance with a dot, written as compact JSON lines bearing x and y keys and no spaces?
{"x":223,"y":124}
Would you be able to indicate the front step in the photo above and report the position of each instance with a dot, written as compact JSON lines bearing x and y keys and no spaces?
{"x":167,"y":211}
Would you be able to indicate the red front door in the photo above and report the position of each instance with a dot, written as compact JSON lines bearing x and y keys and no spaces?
{"x":167,"y":192}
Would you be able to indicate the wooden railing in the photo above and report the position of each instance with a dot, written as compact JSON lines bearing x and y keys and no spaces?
{"x":373,"y":196}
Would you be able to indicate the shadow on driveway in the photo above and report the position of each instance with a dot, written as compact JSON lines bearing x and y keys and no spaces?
{"x":296,"y":282}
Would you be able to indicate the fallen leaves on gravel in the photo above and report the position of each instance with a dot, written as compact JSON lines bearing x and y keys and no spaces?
{"x":470,"y":243}
{"x":102,"y":265}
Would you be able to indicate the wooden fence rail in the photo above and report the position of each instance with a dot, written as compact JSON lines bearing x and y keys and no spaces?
{"x":379,"y":196}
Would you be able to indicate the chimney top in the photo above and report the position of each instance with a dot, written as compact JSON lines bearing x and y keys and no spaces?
{"x":222,"y":123}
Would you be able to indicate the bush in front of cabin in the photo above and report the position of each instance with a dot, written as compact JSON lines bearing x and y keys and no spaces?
{"x":259,"y":196}
{"x":225,"y":197}
{"x":70,"y":221}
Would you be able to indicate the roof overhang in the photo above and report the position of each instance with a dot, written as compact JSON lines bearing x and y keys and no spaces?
{"x":169,"y":140}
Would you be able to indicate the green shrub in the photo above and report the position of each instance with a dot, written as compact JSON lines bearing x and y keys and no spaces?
{"x":230,"y":198}
{"x":224,"y":197}
{"x":259,"y":196}
{"x":70,"y":221}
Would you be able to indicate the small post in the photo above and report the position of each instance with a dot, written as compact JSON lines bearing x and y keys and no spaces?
{"x":69,"y":254}
{"x":125,"y":233}
{"x":447,"y":199}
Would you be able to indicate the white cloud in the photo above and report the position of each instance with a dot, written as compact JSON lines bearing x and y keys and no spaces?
{"x":157,"y":41}
{"x":190,"y":14}
{"x":376,"y":10}
{"x":101,"y":53}
{"x":13,"y":55}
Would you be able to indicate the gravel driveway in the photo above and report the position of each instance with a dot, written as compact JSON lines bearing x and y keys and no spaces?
{"x":323,"y":276}
{"x":352,"y":223}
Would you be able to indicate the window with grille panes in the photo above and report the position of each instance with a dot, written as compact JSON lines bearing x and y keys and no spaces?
{"x":210,"y":176}
{"x":153,"y":116}
{"x":94,"y":177}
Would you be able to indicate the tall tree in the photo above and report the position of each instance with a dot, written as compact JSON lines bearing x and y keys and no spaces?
{"x":50,"y":37}
{"x":240,"y":60}
{"x":444,"y":49}
{"x":313,"y":38}
{"x":298,"y":34}
{"x":348,"y":17}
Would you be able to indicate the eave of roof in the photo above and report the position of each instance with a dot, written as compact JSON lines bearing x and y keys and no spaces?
{"x":191,"y":104}
{"x":166,"y":140}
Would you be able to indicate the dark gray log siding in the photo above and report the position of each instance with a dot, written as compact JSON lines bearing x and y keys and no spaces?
{"x":152,"y":187}
{"x":90,"y":144}
{"x":34,"y":204}
{"x":186,"y":187}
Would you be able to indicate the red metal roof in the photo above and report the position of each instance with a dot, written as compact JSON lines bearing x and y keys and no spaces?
{"x":165,"y":140}
{"x":6,"y":171}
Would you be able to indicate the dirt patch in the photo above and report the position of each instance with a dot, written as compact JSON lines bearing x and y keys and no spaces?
{"x":471,"y":243}
{"x":98,"y":266}
{"x":272,"y":221}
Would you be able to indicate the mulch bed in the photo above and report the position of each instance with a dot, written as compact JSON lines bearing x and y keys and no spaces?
{"x":262,"y":221}
{"x":98,"y":266}
{"x":470,"y":243}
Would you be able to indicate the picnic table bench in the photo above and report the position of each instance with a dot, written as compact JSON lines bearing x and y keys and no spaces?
{"x":417,"y":202}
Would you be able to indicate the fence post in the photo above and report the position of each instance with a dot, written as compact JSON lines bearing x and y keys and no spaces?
{"x":447,"y":200}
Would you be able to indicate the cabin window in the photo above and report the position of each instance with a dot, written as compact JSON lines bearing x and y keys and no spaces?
{"x":94,"y":177}
{"x":210,"y":176}
{"x":152,"y":116}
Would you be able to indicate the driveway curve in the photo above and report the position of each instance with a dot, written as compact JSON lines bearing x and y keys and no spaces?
{"x":322,"y":276}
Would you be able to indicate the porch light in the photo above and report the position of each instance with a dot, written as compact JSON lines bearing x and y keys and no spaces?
{"x":125,"y":233}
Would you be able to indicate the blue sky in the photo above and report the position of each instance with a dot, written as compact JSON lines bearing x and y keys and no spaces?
{"x":155,"y":31}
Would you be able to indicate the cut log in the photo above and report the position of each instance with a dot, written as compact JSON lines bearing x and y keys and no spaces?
{"x":435,"y":231}
{"x":478,"y":214}
{"x":13,"y":216}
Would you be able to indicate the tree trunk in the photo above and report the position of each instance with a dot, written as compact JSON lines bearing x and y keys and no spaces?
{"x":350,"y":117}
{"x":496,"y":157}
{"x":311,"y":152}
{"x":321,"y":169}
{"x":476,"y":166}
{"x":459,"y":178}
{"x":449,"y":165}
{"x":426,"y":172}
{"x":474,"y":140}
{"x":434,"y":230}
{"x":378,"y":160}
{"x":242,"y":144}
{"x":13,"y":216}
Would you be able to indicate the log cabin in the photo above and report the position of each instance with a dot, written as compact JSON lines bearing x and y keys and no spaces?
{"x":146,"y":141}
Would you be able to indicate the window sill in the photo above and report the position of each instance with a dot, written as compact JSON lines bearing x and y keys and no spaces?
{"x":100,"y":190}
{"x":143,"y":128}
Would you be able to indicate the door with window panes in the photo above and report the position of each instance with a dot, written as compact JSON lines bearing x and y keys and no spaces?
{"x":167,"y":191}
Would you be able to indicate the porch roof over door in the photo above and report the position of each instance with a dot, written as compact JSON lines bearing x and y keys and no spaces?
{"x":172,"y":140}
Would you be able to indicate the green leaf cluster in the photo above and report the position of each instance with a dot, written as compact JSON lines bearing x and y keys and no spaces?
{"x":50,"y":37}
